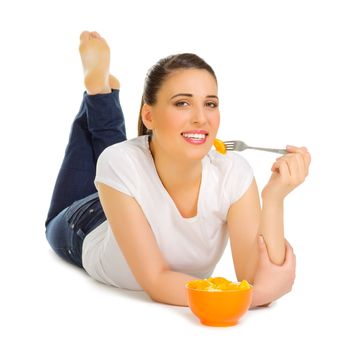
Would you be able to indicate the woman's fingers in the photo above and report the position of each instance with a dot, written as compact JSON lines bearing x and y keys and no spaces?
{"x":297,"y":161}
{"x":288,"y":244}
{"x":290,"y":258}
{"x":307,"y":161}
{"x":262,"y":246}
{"x":282,"y":167}
{"x":301,"y":167}
{"x":296,"y":165}
{"x":293,"y":165}
{"x":304,"y":152}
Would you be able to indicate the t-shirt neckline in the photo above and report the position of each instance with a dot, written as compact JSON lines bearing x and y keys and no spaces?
{"x":167,"y":195}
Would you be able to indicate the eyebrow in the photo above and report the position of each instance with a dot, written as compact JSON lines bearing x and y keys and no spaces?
{"x":191,"y":95}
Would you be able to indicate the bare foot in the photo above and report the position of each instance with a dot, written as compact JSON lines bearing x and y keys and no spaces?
{"x":95,"y":56}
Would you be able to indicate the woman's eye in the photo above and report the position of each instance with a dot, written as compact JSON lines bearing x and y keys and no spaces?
{"x":184,"y":104}
{"x":212,"y":104}
{"x":180,"y":103}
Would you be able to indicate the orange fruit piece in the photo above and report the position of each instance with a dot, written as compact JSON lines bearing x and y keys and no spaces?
{"x":219,"y":280}
{"x":199,"y":284}
{"x":220,"y":147}
{"x":244,"y":285}
{"x":218,"y":284}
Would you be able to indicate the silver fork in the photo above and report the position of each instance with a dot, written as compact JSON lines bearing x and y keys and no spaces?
{"x":241,"y":146}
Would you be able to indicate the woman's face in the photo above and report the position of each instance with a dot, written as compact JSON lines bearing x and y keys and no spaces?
{"x":187,"y":103}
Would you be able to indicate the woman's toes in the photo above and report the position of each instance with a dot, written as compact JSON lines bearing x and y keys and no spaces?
{"x":85,"y":35}
{"x":95,"y":35}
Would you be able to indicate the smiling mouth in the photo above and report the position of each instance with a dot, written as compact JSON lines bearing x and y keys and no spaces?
{"x":194,"y":135}
{"x":196,"y":139}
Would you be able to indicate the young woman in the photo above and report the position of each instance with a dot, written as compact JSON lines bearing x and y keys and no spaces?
{"x":156,"y":211}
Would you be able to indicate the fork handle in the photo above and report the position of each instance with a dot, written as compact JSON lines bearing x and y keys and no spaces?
{"x":274,"y":150}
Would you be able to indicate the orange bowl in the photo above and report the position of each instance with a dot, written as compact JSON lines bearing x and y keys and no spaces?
{"x":219,"y":308}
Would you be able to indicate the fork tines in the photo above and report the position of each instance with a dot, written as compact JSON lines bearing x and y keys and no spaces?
{"x":229,"y":144}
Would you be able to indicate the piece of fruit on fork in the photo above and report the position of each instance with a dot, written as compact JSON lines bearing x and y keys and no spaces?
{"x":220,"y":146}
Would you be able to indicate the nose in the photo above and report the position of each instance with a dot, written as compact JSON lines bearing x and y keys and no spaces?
{"x":199,"y":116}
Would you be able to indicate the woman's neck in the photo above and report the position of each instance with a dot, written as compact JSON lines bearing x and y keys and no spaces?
{"x":174,"y":174}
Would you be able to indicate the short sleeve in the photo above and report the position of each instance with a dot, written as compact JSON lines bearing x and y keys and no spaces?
{"x":115,"y":169}
{"x":238,"y":178}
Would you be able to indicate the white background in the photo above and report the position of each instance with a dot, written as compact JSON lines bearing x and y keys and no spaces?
{"x":278,"y":65}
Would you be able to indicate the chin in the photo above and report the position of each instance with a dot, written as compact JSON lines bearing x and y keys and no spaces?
{"x":196,"y":155}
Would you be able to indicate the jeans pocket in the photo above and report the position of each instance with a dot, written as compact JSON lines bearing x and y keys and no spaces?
{"x":79,"y":214}
{"x":78,"y":207}
{"x":91,"y":218}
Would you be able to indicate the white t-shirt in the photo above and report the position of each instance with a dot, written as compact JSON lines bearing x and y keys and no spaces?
{"x":189,"y":245}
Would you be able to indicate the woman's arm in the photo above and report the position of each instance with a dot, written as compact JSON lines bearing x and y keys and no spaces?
{"x":273,"y":281}
{"x":137,"y":242}
{"x":245,"y":221}
{"x":288,"y":172}
{"x":272,"y":229}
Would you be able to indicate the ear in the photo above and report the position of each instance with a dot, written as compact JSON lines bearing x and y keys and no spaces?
{"x":146,"y":116}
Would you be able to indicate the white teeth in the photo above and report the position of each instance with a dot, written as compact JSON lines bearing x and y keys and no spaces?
{"x":195,"y":136}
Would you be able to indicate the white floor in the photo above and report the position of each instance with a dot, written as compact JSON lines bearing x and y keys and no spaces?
{"x":279,"y":68}
{"x":49,"y":303}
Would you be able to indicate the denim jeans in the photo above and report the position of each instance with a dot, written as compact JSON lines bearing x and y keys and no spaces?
{"x":75,"y":209}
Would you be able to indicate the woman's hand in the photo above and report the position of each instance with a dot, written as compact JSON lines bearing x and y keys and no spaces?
{"x":273,"y":281}
{"x":289,"y":171}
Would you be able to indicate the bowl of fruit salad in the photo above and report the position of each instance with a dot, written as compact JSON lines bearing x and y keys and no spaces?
{"x":217,"y":301}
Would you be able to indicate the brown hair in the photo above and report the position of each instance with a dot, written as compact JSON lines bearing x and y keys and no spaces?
{"x":158,"y":73}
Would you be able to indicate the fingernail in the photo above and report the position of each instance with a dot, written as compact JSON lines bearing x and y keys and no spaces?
{"x":261,"y":239}
{"x":289,"y":146}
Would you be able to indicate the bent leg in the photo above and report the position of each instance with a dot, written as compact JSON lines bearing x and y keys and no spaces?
{"x":106,"y":122}
{"x":98,"y":124}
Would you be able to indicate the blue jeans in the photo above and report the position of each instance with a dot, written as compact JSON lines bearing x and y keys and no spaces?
{"x":75,"y":209}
